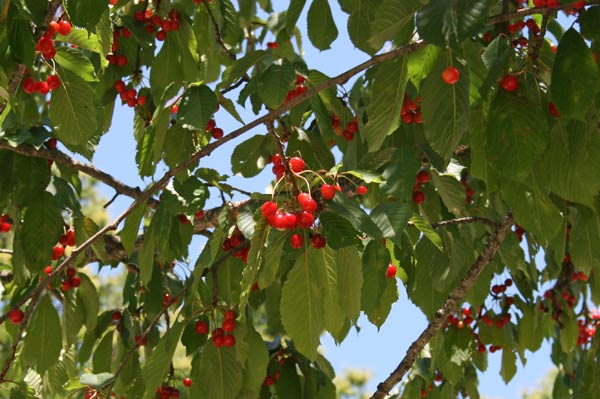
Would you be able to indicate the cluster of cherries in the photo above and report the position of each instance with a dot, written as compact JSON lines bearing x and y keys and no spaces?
{"x":221,"y":336}
{"x":236,"y":243}
{"x":469,"y":192}
{"x":5,"y":223}
{"x":587,"y":327}
{"x":154,"y":22}
{"x":45,"y":44}
{"x":69,"y":280}
{"x":277,"y":361}
{"x":422,"y":178}
{"x":30,"y":85}
{"x":300,"y":88}
{"x":211,"y":127}
{"x":348,"y":132}
{"x":167,"y":392}
{"x":67,"y":239}
{"x":129,"y":96}
{"x":411,"y":111}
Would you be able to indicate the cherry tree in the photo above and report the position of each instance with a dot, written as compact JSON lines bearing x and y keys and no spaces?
{"x":465,"y":145}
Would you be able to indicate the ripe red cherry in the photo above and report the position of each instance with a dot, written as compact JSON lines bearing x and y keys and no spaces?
{"x":53,"y":82}
{"x":318,"y":241}
{"x":57,"y":252}
{"x":76,"y":281}
{"x":276,"y":159}
{"x":450,"y":75}
{"x":418,"y":197}
{"x":229,"y":340}
{"x":70,"y":237}
{"x":66,"y":285}
{"x":4,"y":227}
{"x":64,"y":28}
{"x":48,"y":270}
{"x":269,"y":209}
{"x":305,"y":219}
{"x":229,"y":315}
{"x":116,"y":315}
{"x":52,"y":28}
{"x":16,"y":316}
{"x":296,"y":241}
{"x":161,"y":35}
{"x":216,"y":133}
{"x":553,"y":110}
{"x":278,"y":170}
{"x":29,"y":85}
{"x":187,"y":382}
{"x":201,"y":327}
{"x":362,"y":190}
{"x":210,"y":125}
{"x":43,"y":88}
{"x":217,"y":340}
{"x":391,"y":271}
{"x":509,"y":83}
{"x":423,"y":176}
{"x":228,"y":325}
{"x":328,"y":191}
{"x":297,"y":164}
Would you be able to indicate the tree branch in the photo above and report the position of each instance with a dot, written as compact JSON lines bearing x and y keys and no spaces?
{"x":90,"y":170}
{"x":518,"y":14}
{"x":218,"y":32}
{"x":447,"y":308}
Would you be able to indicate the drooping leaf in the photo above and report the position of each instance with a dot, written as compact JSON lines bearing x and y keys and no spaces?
{"x":251,"y":156}
{"x":321,"y":26}
{"x":157,"y":366}
{"x":391,"y":17}
{"x":85,"y":12}
{"x":42,"y":345}
{"x":359,"y":24}
{"x":220,"y":372}
{"x":197,"y":106}
{"x":575,"y":76}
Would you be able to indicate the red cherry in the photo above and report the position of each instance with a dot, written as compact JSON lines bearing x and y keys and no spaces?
{"x":57,"y":252}
{"x":553,"y":110}
{"x":48,"y":270}
{"x":66,"y":285}
{"x":450,"y":75}
{"x":278,"y":170}
{"x":229,"y":315}
{"x":276,"y":159}
{"x":16,"y":316}
{"x":141,"y":101}
{"x":272,"y":45}
{"x":229,"y":340}
{"x":228,"y":325}
{"x":297,"y":164}
{"x":52,"y":28}
{"x":187,"y":382}
{"x":509,"y":83}
{"x":217,"y":340}
{"x":116,"y":315}
{"x":201,"y":327}
{"x":53,"y":82}
{"x":71,"y":272}
{"x":290,"y":220}
{"x":174,"y":108}
{"x":418,"y":197}
{"x":64,"y":27}
{"x":210,"y":125}
{"x":161,"y":35}
{"x":268,"y":381}
{"x":328,"y":191}
{"x":391,"y":271}
{"x":296,"y":241}
{"x":199,"y":214}
{"x":70,"y":237}
{"x":318,"y":241}
{"x":43,"y":88}
{"x":277,"y":220}
{"x":362,"y":190}
{"x":216,"y":133}
{"x":76,"y":281}
{"x":269,"y":209}
{"x":423,"y":176}
{"x":305,"y":219}
{"x":29,"y":85}
{"x":4,"y":227}
{"x":121,"y":60}
{"x":183,"y":219}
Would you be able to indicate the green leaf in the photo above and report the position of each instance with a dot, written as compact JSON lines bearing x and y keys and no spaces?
{"x":85,"y":12}
{"x":391,"y":18}
{"x":251,"y":156}
{"x":197,"y":106}
{"x":42,"y":227}
{"x":321,"y":26}
{"x":256,"y":258}
{"x":220,"y":374}
{"x":424,"y":227}
{"x":131,"y":228}
{"x":159,"y":363}
{"x":146,"y":257}
{"x":568,"y":165}
{"x":43,"y":342}
{"x":588,"y":21}
{"x":359,"y":24}
{"x":293,"y":13}
{"x":450,"y":191}
{"x":584,"y":245}
{"x":89,"y":298}
{"x":96,"y":381}
{"x":350,"y":281}
{"x":445,"y":108}
{"x":274,"y":253}
{"x":102,"y":358}
{"x":74,"y":112}
{"x":74,"y":61}
{"x":391,"y":218}
{"x":444,"y":22}
{"x":177,"y":60}
{"x":236,"y":70}
{"x":302,"y":305}
{"x":575,"y":76}
{"x":352,"y":212}
{"x":83,"y":40}
{"x":338,"y":231}
{"x":275,"y":82}
{"x":255,"y":367}
{"x":388,"y":95}
{"x":179,"y":145}
{"x":516,"y":136}
{"x":20,"y":38}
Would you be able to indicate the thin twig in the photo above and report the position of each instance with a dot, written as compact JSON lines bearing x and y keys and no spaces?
{"x":6,"y":251}
{"x":218,"y":32}
{"x":539,"y":38}
{"x":284,"y":159}
{"x":518,"y":14}
{"x":449,"y":306}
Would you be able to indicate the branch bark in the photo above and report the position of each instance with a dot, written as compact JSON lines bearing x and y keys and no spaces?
{"x":447,"y":308}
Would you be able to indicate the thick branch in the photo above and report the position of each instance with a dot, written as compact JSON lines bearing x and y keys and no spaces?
{"x":447,"y":308}
{"x":64,"y":159}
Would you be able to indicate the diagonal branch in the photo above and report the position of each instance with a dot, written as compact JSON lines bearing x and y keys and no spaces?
{"x":447,"y":308}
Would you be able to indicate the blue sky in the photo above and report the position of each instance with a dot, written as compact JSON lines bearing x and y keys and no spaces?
{"x":379,"y":351}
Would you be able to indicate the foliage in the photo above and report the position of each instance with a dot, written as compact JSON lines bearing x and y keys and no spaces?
{"x":470,"y":118}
